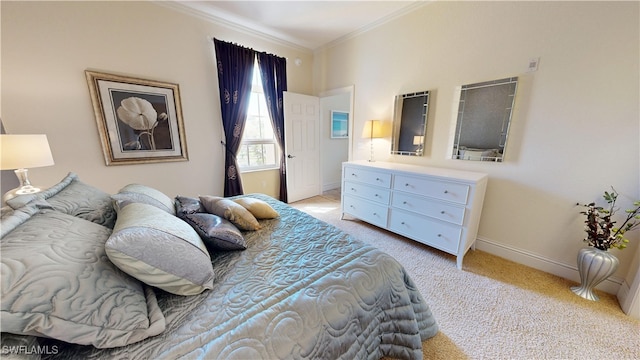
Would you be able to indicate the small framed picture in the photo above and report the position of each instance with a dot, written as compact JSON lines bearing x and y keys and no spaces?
{"x":339,"y":124}
{"x":139,"y":120}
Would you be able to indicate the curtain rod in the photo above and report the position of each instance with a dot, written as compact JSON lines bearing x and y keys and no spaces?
{"x":247,"y":48}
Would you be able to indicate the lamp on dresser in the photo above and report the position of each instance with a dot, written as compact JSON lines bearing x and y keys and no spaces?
{"x":20,"y":152}
{"x":419,"y":141}
{"x":373,"y":129}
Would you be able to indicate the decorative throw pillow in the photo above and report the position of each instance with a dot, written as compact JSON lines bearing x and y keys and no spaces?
{"x":188,"y":205}
{"x":258,"y":208}
{"x":146,"y":195}
{"x":160,"y":250}
{"x":231,"y":211}
{"x":74,"y":197}
{"x":57,"y":282}
{"x":216,"y":232}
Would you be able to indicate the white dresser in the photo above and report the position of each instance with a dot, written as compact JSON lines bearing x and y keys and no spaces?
{"x":435,"y":206}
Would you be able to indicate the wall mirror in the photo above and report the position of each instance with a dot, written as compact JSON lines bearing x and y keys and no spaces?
{"x":410,"y":123}
{"x":484,"y":114}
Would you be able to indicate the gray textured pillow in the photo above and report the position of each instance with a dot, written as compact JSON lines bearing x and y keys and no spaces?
{"x":188,"y":205}
{"x":160,"y":250}
{"x":216,"y":232}
{"x":74,"y":197}
{"x":146,"y":195}
{"x":57,"y":282}
{"x":231,"y":211}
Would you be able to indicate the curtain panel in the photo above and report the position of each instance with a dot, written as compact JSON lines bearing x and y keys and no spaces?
{"x":273,"y":70}
{"x":235,"y":71}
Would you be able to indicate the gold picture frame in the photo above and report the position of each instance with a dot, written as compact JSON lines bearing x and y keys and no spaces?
{"x":139,"y":120}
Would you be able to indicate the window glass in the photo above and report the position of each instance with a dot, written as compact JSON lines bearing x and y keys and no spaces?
{"x":258,"y":149}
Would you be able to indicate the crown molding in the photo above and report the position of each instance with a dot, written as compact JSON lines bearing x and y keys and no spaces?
{"x":281,"y":39}
{"x":405,"y":10}
{"x":177,"y":6}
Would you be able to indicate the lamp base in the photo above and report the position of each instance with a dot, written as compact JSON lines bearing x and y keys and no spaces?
{"x":21,"y":190}
{"x":25,"y":187}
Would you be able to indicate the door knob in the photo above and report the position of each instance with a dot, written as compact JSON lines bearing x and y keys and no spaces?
{"x":290,"y":156}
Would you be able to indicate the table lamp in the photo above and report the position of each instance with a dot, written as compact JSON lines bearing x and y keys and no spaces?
{"x":373,"y":129}
{"x":19,"y":152}
{"x":418,"y":140}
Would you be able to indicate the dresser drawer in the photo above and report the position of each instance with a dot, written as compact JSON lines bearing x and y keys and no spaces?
{"x":443,"y":236}
{"x":368,"y":211}
{"x":445,"y":211}
{"x":372,"y":177}
{"x":457,"y":193}
{"x":368,"y":192}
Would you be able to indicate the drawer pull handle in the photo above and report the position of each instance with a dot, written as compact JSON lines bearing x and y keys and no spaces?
{"x":442,"y":212}
{"x":402,"y":223}
{"x":446,"y":191}
{"x":377,"y":179}
{"x":351,"y":206}
{"x":407,"y":184}
{"x":404,"y":203}
{"x":439,"y":235}
{"x":352,"y":189}
{"x":377,"y":195}
{"x":375,"y":214}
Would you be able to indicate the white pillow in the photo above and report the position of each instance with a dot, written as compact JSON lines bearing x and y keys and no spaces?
{"x":472,"y":155}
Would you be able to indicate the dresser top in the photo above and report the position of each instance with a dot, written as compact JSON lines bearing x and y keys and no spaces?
{"x":426,"y":170}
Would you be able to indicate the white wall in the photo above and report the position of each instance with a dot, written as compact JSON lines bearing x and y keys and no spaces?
{"x":576,"y":122}
{"x":334,"y":151}
{"x":46,"y":47}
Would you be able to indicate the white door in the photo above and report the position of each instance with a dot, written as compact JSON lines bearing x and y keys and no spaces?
{"x":302,"y":145}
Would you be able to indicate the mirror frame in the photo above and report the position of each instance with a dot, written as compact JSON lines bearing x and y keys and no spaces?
{"x":400,"y":118}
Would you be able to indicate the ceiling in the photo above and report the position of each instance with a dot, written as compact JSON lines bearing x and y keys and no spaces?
{"x":307,"y":24}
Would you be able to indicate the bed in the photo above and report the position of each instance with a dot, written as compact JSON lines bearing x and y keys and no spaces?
{"x":300,"y":288}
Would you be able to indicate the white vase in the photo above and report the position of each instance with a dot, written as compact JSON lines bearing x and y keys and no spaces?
{"x":595,"y":266}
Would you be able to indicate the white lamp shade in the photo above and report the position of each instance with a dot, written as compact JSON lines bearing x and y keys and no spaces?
{"x":24,"y":151}
{"x":373,"y":129}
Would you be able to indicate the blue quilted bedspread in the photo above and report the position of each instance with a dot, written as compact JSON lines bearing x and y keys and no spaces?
{"x":301,"y":289}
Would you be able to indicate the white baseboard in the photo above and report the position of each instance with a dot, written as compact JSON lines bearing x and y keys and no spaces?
{"x":629,"y":298}
{"x":623,"y":293}
{"x":331,"y":186}
{"x":570,"y":272}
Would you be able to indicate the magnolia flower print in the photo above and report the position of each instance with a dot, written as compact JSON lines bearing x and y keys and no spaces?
{"x":140,"y":115}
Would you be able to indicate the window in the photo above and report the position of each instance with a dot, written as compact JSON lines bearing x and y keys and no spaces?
{"x":259,"y":149}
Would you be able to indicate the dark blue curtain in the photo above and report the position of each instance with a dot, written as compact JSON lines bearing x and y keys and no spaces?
{"x":235,"y":70}
{"x":273,"y":70}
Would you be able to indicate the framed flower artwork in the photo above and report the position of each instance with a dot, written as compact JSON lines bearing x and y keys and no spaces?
{"x":139,"y":120}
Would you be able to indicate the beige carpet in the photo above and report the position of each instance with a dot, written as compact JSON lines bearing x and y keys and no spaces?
{"x":495,"y":308}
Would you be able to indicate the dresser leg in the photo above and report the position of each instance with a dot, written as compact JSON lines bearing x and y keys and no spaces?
{"x":459,"y":262}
